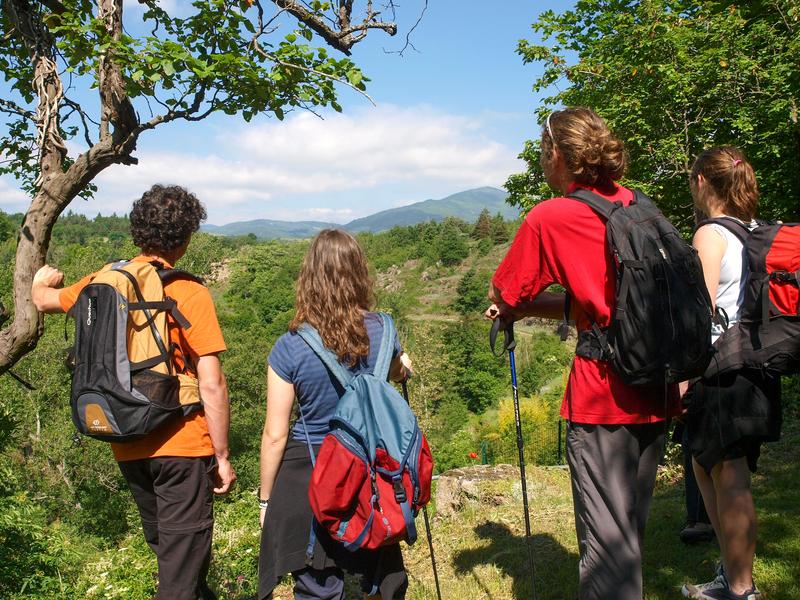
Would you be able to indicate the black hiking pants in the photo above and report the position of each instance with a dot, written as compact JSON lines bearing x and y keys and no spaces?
{"x":175,"y":499}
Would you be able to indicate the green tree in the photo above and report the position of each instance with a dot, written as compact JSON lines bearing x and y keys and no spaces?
{"x":483,"y":226}
{"x":451,"y":244}
{"x":474,"y":375}
{"x":471,"y":294}
{"x":499,"y":229}
{"x":673,"y":77}
{"x":6,"y":227}
{"x":223,"y":56}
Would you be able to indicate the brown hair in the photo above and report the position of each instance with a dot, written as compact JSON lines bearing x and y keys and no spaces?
{"x":730,"y":176}
{"x":593,"y":155}
{"x":165,"y":217}
{"x":333,"y":289}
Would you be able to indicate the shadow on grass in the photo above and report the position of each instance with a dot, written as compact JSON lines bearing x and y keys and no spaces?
{"x":556,"y":568}
{"x":776,"y":492}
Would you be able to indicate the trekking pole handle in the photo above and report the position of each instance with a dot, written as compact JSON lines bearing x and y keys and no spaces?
{"x":508,"y":335}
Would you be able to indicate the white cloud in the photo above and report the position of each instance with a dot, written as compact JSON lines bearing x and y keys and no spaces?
{"x":379,"y":146}
{"x":12,"y":199}
{"x":330,"y":213}
{"x":337,"y":168}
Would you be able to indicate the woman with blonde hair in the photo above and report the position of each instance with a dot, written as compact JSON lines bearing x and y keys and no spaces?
{"x":729,"y":416}
{"x":615,"y":431}
{"x":334,"y":295}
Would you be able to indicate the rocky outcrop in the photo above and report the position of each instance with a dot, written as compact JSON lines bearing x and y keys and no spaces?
{"x":458,"y":487}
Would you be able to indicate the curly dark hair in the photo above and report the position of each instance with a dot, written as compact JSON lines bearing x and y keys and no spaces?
{"x":165,"y":217}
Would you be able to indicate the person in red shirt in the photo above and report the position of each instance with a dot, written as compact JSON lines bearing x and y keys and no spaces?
{"x":172,"y":471}
{"x":615,"y":433}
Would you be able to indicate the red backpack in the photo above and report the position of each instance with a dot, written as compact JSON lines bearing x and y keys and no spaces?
{"x":374,"y":469}
{"x":767,"y":336}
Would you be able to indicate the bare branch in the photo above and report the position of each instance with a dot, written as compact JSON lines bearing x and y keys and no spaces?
{"x":84,"y":118}
{"x":46,"y":84}
{"x":12,"y":108}
{"x":408,"y":43}
{"x":117,"y":109}
{"x":341,"y":38}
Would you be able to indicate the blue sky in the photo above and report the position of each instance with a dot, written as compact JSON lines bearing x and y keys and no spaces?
{"x":452,"y":116}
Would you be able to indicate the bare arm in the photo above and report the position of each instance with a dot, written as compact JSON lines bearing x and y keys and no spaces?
{"x":45,"y":289}
{"x":280,"y":396}
{"x":214,"y":392}
{"x":547,"y":305}
{"x":711,"y":247}
{"x":401,"y":368}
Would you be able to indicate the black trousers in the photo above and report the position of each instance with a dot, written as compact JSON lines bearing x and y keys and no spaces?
{"x":175,"y":499}
{"x":695,"y":508}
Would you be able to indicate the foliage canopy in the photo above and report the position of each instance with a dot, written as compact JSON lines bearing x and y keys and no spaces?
{"x":673,"y":77}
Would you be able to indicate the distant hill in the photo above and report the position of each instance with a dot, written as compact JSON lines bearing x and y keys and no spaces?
{"x":463,"y":205}
{"x":269,"y":229}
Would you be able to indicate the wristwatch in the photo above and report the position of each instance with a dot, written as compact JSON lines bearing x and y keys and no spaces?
{"x":261,"y":502}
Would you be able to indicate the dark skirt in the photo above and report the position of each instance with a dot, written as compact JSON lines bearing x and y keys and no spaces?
{"x":285,"y":536}
{"x":732,"y":415}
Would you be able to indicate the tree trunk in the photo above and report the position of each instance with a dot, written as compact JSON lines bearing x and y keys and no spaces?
{"x":56,"y":187}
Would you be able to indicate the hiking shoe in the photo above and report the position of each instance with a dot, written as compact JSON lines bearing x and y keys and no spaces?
{"x":696,"y":533}
{"x":717,"y":590}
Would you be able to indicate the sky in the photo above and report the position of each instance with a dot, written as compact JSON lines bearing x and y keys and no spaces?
{"x":450,"y":116}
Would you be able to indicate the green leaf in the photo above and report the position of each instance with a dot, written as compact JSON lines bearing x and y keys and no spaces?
{"x":354,"y":76}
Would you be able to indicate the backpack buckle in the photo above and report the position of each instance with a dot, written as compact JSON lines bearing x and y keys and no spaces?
{"x":399,"y":490}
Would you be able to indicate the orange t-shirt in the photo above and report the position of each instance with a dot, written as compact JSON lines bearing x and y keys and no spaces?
{"x":187,"y":436}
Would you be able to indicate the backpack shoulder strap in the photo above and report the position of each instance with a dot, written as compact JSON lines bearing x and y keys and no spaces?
{"x":144,"y":305}
{"x":604,"y":208}
{"x":384,"y":360}
{"x":169,"y":275}
{"x":311,"y":337}
{"x":735,"y":227}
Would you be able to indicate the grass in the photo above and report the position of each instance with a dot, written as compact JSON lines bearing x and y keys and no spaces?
{"x":482,"y":555}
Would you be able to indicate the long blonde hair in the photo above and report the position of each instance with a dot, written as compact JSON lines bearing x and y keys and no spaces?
{"x":333,"y":291}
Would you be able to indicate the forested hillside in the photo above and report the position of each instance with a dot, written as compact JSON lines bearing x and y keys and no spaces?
{"x":69,"y":527}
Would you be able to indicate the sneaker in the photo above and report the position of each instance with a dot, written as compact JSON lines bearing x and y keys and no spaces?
{"x":695,"y":533}
{"x":717,"y":590}
{"x":696,"y":590}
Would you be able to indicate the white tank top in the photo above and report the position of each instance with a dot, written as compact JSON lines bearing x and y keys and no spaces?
{"x":732,"y":277}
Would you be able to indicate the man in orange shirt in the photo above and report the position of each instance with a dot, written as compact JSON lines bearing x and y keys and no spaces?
{"x":173,"y":470}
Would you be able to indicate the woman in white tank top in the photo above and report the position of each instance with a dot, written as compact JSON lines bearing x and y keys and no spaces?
{"x":728,"y":417}
{"x":732,"y":275}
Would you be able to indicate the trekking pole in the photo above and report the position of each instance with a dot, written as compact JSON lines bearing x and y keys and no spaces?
{"x":509,"y":344}
{"x":427,"y":522}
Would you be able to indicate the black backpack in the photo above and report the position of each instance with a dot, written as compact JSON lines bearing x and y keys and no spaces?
{"x":124,"y":383}
{"x":660,"y":329}
{"x":767,"y":336}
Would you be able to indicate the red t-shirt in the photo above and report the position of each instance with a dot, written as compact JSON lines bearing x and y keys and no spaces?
{"x":564,"y":241}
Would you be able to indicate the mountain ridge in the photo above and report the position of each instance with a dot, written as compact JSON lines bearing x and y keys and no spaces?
{"x":466,"y":205}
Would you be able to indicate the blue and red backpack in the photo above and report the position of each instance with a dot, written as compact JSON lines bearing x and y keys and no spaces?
{"x":373,"y":472}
